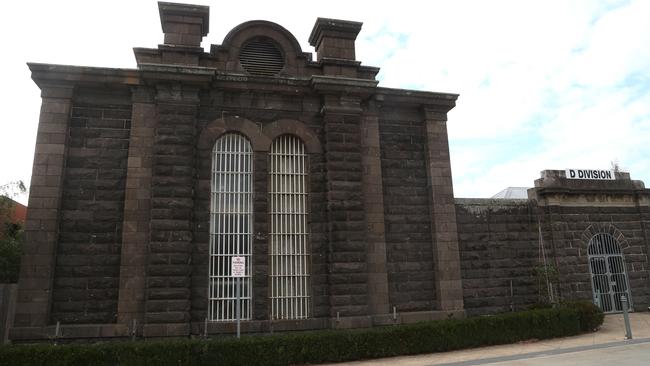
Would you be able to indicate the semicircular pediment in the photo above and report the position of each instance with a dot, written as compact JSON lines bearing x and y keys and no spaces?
{"x":262,"y":48}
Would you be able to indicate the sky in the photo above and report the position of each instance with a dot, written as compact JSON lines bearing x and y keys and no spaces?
{"x":550,"y":84}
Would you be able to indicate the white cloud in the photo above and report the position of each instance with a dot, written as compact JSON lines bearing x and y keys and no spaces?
{"x":539,"y":82}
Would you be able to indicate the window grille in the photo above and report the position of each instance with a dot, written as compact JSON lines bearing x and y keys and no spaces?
{"x":289,"y":236}
{"x":608,"y":274}
{"x":231,"y":225}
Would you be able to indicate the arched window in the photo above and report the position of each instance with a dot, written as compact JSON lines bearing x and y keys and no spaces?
{"x":231,"y":225}
{"x":608,"y":274}
{"x":289,"y":250}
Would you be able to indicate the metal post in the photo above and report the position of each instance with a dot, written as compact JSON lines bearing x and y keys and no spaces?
{"x":205,"y":328}
{"x":512,"y":299}
{"x":597,"y":299}
{"x":626,"y":317}
{"x":134,"y":325}
{"x":238,"y":310}
{"x":56,"y":332}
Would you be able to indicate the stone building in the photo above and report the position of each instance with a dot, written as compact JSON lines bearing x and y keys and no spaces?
{"x":336,"y":192}
{"x":595,"y":233}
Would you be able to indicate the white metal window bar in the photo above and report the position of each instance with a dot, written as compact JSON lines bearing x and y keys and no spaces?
{"x":231,"y":225}
{"x":608,"y":274}
{"x":289,"y":250}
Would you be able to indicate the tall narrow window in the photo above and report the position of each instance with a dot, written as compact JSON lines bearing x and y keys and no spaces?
{"x":289,"y":245}
{"x":231,"y":225}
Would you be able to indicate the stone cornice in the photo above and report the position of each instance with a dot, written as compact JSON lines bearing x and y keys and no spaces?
{"x":53,"y":74}
{"x":430,"y":101}
{"x":593,"y":191}
{"x":338,"y":85}
{"x":44,"y":74}
{"x":339,"y":62}
{"x":176,"y":73}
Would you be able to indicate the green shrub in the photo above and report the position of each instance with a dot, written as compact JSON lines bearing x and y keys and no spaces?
{"x":591,"y":317}
{"x":539,"y":305}
{"x":318,"y":346}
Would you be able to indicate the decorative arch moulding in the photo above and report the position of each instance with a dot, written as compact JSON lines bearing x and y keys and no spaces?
{"x":603,"y":228}
{"x":260,"y":136}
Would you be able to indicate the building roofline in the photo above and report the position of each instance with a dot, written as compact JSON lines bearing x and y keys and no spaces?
{"x":44,"y":74}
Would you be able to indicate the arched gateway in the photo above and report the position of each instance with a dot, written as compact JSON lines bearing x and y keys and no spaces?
{"x":609,"y":281}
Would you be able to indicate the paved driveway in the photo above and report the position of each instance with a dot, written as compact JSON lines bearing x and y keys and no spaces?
{"x":628,"y":354}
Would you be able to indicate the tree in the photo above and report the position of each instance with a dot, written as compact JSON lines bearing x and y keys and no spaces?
{"x":11,"y":234}
{"x":547,"y":278}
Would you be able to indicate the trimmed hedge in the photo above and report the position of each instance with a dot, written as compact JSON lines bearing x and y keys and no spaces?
{"x":591,"y":317}
{"x":319,"y":346}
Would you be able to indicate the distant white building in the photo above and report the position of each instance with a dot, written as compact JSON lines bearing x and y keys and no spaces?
{"x":513,"y":193}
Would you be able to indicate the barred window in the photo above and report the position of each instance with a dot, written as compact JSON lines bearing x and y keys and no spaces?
{"x":231,"y":225}
{"x":289,"y":245}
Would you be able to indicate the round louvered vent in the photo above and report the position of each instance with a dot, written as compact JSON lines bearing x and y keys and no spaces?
{"x":260,"y":56}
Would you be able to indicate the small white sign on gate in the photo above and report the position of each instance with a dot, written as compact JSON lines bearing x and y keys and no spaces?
{"x":238,"y":267}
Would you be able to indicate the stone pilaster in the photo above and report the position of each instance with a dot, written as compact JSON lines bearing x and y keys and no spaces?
{"x":643,"y":207}
{"x":449,"y":290}
{"x":170,"y":248}
{"x":373,"y":203}
{"x":348,"y":267}
{"x":137,"y":206}
{"x":261,"y":302}
{"x":347,"y":256}
{"x":41,"y":228}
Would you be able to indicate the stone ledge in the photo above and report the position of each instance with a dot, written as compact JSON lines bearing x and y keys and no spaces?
{"x":343,"y":85}
{"x":191,"y":75}
{"x":92,"y":331}
{"x":261,"y":326}
{"x":42,"y":74}
{"x":416,"y":316}
{"x":22,"y":334}
{"x":339,"y":62}
{"x":166,"y":330}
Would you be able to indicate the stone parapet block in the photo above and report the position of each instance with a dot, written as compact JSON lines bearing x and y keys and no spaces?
{"x":334,"y":38}
{"x":184,"y":24}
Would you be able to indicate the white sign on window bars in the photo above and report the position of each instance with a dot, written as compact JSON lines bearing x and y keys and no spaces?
{"x":238,"y":266}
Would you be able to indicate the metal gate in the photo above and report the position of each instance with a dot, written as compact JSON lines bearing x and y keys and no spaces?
{"x":608,"y":275}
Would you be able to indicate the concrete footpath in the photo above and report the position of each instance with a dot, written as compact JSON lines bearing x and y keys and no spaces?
{"x":610,"y":338}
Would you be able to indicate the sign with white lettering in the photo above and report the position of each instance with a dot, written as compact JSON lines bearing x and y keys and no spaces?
{"x":594,"y":174}
{"x":237,"y":266}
